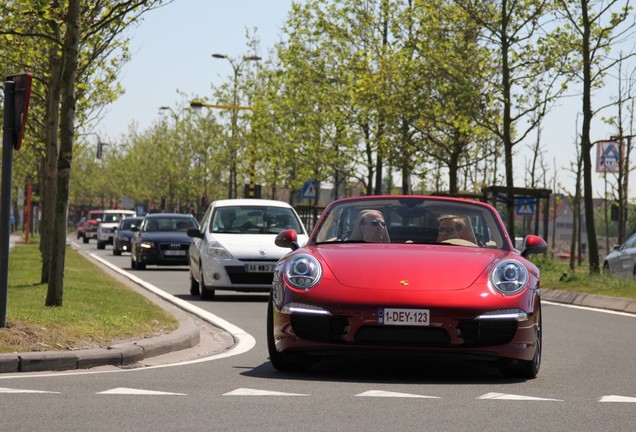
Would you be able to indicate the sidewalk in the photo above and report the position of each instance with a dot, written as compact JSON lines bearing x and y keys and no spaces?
{"x":196,"y":337}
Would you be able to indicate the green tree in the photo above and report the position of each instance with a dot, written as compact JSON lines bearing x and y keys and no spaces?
{"x":592,"y":28}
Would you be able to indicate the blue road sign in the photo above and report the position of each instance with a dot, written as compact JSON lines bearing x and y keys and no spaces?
{"x":524,"y":206}
{"x":310,"y":190}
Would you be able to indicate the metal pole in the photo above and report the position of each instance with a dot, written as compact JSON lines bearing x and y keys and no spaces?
{"x":5,"y":196}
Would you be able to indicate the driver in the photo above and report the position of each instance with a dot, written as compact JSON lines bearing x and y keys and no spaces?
{"x":450,"y":227}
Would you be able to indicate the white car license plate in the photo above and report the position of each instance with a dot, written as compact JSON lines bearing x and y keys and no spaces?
{"x":259,"y":268}
{"x":174,"y":253}
{"x":408,"y":317}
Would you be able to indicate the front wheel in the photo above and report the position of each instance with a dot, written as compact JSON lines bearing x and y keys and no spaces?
{"x":204,"y":292}
{"x":279,"y":360}
{"x":527,"y":369}
{"x":194,"y":286}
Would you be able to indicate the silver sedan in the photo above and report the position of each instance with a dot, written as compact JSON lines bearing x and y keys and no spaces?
{"x":622,"y":260}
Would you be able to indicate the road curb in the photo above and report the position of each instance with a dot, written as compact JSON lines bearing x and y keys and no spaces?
{"x":617,"y":304}
{"x":119,"y":354}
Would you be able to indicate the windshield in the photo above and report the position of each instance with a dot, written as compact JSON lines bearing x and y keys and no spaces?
{"x":129,"y":223}
{"x":157,"y":224}
{"x":254,"y":220}
{"x":412,"y":220}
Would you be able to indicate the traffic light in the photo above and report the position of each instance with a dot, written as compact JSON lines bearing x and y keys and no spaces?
{"x":100,"y":146}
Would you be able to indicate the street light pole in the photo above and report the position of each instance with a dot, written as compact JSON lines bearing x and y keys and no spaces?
{"x":236,"y":67}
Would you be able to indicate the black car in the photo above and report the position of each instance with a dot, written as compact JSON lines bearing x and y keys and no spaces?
{"x":124,"y":233}
{"x":162,"y":239}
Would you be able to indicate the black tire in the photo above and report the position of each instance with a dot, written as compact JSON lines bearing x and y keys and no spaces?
{"x":85,"y":239}
{"x":527,"y":369}
{"x":194,"y":285}
{"x":116,"y":251}
{"x":204,"y":292}
{"x":280,"y":361}
{"x":606,"y":268}
{"x":101,"y":244}
{"x":141,"y":266}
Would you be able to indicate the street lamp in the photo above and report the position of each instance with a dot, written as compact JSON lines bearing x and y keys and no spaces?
{"x":236,"y":67}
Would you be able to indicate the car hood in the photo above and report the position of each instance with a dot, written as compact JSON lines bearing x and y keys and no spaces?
{"x":162,"y":237}
{"x":254,"y":246}
{"x":413,"y":267}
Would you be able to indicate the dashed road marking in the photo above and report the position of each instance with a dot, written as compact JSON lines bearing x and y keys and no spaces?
{"x":255,"y":392}
{"x":503,"y":396}
{"x":132,"y":391}
{"x":387,"y":394}
{"x":11,"y":390}
{"x":615,"y":398}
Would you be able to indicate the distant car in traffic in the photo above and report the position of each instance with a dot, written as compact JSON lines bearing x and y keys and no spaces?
{"x":234,"y":249}
{"x":89,"y":230}
{"x":108,"y":224}
{"x":161,"y":239}
{"x":80,"y":228}
{"x":622,"y":260}
{"x":123,"y":234}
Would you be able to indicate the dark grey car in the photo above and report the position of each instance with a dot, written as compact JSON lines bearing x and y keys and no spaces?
{"x":124,"y":233}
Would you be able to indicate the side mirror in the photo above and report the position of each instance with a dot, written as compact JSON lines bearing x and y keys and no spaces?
{"x":287,"y":239}
{"x":194,"y":232}
{"x":533,"y":244}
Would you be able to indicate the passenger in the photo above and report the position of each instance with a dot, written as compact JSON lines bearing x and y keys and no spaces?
{"x":450,"y":227}
{"x":370,"y":227}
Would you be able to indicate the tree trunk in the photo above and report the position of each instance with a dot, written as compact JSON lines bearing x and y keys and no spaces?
{"x":70,"y":50}
{"x":51,"y":151}
{"x":586,"y":144}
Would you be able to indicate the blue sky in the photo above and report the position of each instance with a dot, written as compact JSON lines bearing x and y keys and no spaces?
{"x":171,"y":50}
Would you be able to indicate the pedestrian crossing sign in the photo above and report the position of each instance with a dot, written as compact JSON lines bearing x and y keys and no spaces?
{"x":310,"y":190}
{"x":524,"y":206}
{"x":607,"y":156}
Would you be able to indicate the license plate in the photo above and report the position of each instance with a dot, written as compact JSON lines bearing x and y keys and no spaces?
{"x":174,"y":253}
{"x":259,"y":268}
{"x":409,"y":317}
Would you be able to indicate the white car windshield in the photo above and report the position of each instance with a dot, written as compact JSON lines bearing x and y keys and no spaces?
{"x":253,"y":220}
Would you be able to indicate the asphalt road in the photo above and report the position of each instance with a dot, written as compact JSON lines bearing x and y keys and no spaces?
{"x":587,"y":383}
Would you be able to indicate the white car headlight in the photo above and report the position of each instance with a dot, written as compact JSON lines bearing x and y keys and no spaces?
{"x":216,"y":250}
{"x":303,"y":271}
{"x":509,"y":277}
{"x":146,"y":245}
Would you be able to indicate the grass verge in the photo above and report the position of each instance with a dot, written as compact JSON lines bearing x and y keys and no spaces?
{"x":556,"y":275}
{"x":97,"y":309}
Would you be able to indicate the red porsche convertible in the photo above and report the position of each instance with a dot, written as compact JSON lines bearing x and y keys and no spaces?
{"x":407,"y":275}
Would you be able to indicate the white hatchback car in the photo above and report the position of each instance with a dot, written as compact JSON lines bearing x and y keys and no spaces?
{"x":234,"y":248}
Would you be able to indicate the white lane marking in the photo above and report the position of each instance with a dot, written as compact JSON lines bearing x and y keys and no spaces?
{"x":381,"y":393}
{"x":503,"y":396}
{"x":588,"y":308}
{"x":254,"y":392}
{"x":615,"y":398}
{"x":132,"y":391}
{"x":11,"y":390}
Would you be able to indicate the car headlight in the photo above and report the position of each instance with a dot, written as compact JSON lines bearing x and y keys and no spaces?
{"x":509,"y":277}
{"x":146,"y":245}
{"x":303,"y":271}
{"x":216,"y":250}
